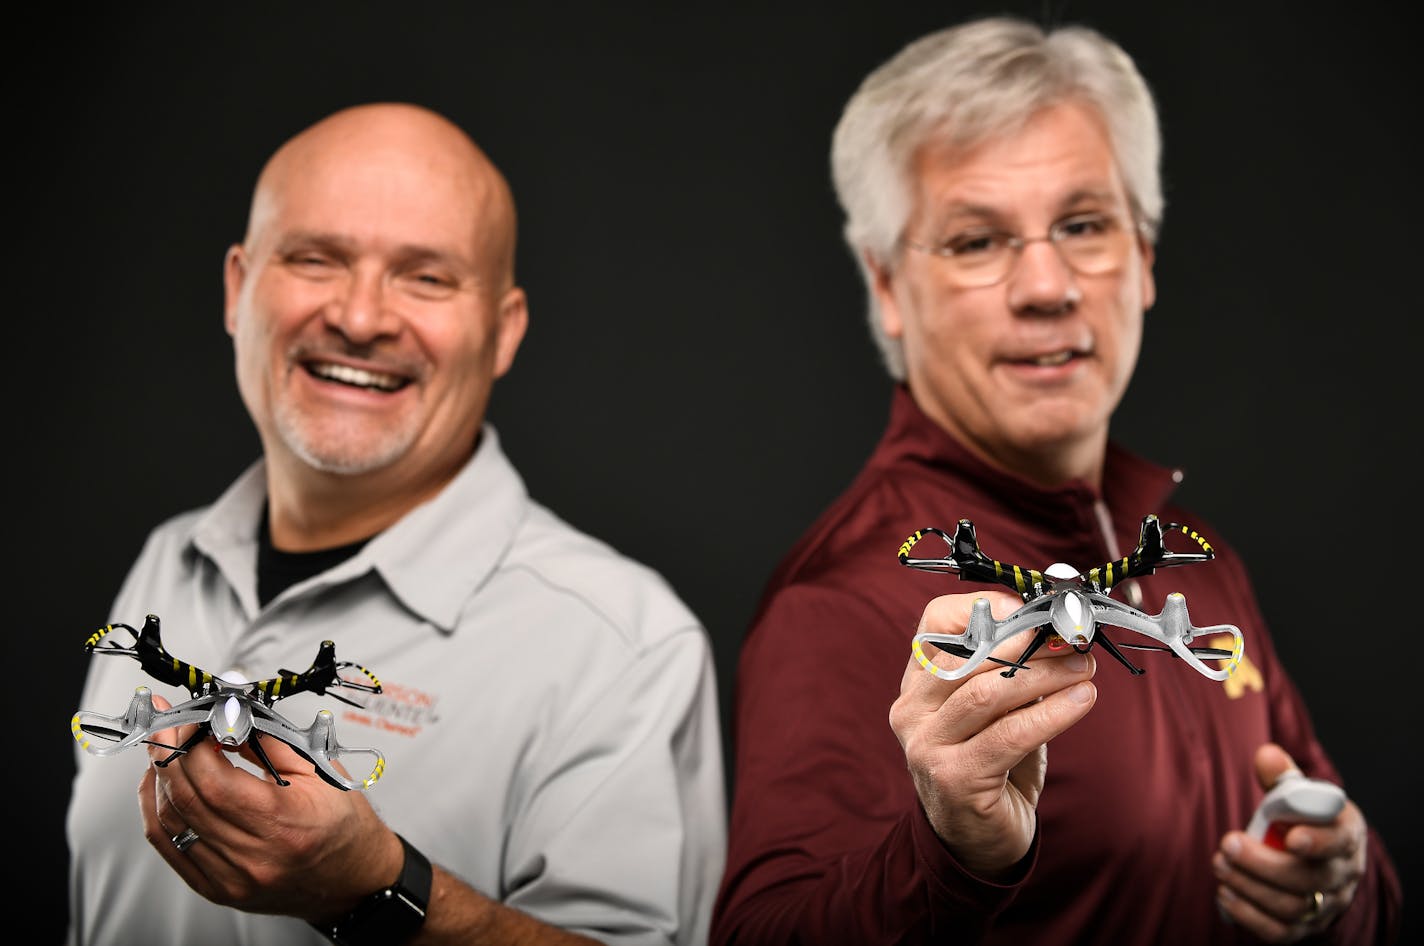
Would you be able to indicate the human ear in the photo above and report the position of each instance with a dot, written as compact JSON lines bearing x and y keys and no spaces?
{"x":513,"y":320}
{"x":878,"y":276}
{"x":234,"y":275}
{"x":1149,"y":283}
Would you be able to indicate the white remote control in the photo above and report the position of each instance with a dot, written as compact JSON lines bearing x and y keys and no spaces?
{"x":1292,"y":800}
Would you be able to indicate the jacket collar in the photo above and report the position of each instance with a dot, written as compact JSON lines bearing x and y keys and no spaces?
{"x":1132,"y":486}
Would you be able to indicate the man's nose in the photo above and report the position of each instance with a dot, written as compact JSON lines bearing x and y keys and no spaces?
{"x":1041,"y":279}
{"x":362,"y":311}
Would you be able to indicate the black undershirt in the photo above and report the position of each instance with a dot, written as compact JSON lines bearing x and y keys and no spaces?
{"x":277,"y":570}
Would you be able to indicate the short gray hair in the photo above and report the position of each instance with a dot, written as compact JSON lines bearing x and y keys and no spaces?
{"x":969,"y":83}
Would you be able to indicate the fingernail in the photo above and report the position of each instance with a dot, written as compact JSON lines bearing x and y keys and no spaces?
{"x":1298,"y":843}
{"x":1078,"y":663}
{"x":1081,"y":693}
{"x":1232,"y":846}
{"x":1219,"y":867}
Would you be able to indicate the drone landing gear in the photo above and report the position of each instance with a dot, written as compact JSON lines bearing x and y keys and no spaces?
{"x":1029,"y":651}
{"x":1043,"y":635}
{"x":256,"y":744}
{"x":1111,"y":648}
{"x":193,"y":740}
{"x":1014,"y":667}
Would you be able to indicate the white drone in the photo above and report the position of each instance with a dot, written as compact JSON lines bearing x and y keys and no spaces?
{"x":1067,"y":608}
{"x":234,"y":711}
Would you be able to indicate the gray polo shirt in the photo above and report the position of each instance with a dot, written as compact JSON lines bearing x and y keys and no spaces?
{"x":549,"y":715}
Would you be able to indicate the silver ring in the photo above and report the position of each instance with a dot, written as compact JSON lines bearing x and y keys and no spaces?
{"x":185,"y":840}
{"x":1317,"y":903}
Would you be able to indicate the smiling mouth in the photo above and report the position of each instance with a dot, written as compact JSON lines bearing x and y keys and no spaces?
{"x":356,"y":377}
{"x":1050,"y":360}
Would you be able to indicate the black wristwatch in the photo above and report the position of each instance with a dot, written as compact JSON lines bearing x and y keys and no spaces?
{"x":389,"y":916}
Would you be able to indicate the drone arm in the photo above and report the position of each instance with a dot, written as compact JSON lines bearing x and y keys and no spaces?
{"x":329,"y":772}
{"x":976,"y":655}
{"x":966,"y":560}
{"x":1111,"y":611}
{"x":1151,"y":554}
{"x":373,"y":687}
{"x":1237,"y":647}
{"x":1032,"y":614}
{"x":121,"y":731}
{"x":1186,"y":558}
{"x":980,"y":638}
{"x":317,"y":744}
{"x":148,"y":650}
{"x":946,"y":564}
{"x":197,"y":712}
{"x":320,"y":677}
{"x":137,"y":725}
{"x":92,"y":644}
{"x":298,"y":741}
{"x":1173,"y":627}
{"x":977,"y":641}
{"x":285,"y":683}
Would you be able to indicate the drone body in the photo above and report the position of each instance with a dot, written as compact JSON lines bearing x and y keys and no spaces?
{"x":1067,"y":608}
{"x":234,"y":711}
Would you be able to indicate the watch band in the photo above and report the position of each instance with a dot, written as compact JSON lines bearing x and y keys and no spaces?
{"x":391,"y":915}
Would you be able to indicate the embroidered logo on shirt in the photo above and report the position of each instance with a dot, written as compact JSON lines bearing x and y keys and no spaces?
{"x":399,"y":709}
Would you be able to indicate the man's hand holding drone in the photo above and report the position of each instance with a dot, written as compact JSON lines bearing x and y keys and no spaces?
{"x":976,"y":744}
{"x":975,"y":734}
{"x":258,"y":845}
{"x":274,"y":835}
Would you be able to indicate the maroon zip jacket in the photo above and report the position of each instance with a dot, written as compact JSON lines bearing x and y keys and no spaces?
{"x":828,"y":842}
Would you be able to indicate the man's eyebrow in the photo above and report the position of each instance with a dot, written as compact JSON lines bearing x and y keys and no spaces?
{"x":1090,"y":195}
{"x":405,"y":254}
{"x":948,"y":213}
{"x":454,"y":265}
{"x":303,"y":239}
{"x":413,"y":253}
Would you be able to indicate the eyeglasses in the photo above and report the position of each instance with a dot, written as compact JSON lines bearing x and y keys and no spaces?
{"x":1091,"y":244}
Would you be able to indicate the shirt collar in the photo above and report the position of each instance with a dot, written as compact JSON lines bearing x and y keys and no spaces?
{"x":431,"y":559}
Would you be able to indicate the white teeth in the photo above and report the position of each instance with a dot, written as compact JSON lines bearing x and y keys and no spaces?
{"x":1057,"y":358}
{"x":348,"y":375}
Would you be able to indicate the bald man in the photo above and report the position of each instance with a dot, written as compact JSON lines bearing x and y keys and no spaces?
{"x":548,"y":710}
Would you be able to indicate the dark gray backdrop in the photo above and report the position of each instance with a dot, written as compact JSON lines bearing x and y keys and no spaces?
{"x":697,"y":382}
